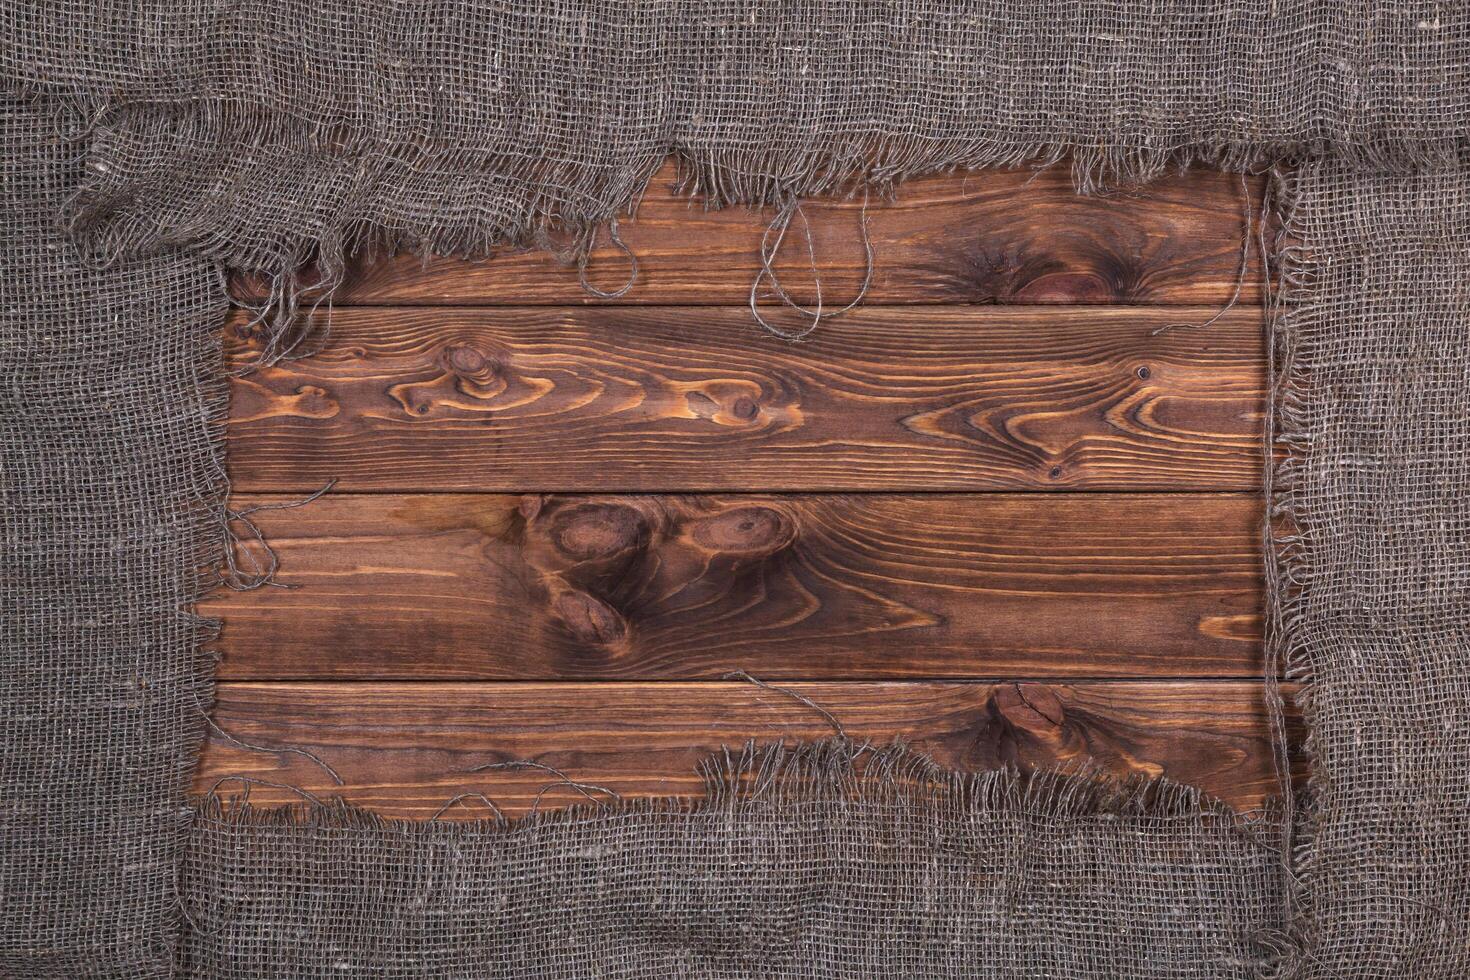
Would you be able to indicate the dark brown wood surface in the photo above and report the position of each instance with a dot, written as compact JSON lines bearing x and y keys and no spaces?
{"x":661,"y":399}
{"x":559,"y":520}
{"x":1017,"y":237}
{"x":807,"y":586}
{"x":404,"y":749}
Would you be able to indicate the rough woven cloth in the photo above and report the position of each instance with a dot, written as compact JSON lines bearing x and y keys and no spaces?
{"x":110,"y":489}
{"x":804,"y":864}
{"x":265,"y":134}
{"x":305,"y":129}
{"x":1373,"y":598}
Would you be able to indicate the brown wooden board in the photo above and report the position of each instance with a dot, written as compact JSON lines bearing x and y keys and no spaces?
{"x":660,"y":399}
{"x":403,"y":749}
{"x":808,"y":586}
{"x":549,"y":501}
{"x":1017,"y":237}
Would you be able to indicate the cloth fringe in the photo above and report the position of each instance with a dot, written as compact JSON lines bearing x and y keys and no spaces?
{"x":828,"y":858}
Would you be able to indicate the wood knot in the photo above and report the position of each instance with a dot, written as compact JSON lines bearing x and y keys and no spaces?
{"x":1032,"y":708}
{"x":752,"y":530}
{"x":589,"y":619}
{"x":468,"y":361}
{"x":995,"y":274}
{"x":595,"y":531}
{"x":1065,"y":287}
{"x":725,"y":402}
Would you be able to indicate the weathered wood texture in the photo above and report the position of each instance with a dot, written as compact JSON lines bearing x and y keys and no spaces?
{"x":1017,"y":237}
{"x":480,"y":589}
{"x":804,"y":586}
{"x":404,"y":749}
{"x":660,"y":399}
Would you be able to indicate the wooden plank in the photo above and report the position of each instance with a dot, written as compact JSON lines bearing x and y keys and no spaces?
{"x":991,"y":237}
{"x":845,"y":586}
{"x":403,"y":749}
{"x":657,"y":400}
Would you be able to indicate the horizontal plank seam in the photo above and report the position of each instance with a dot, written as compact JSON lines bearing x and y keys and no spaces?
{"x":1075,"y":308}
{"x":1027,"y":494}
{"x":243,"y":488}
{"x":1224,"y":680}
{"x":1252,"y":303}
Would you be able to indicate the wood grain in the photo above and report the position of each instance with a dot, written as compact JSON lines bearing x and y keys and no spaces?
{"x":659,"y":400}
{"x":821,"y":586}
{"x":997,"y":237}
{"x":403,"y":749}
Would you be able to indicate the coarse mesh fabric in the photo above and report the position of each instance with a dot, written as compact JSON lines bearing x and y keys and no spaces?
{"x":829,"y":861}
{"x":299,"y":130}
{"x":1373,"y":592}
{"x":270,"y":134}
{"x":110,"y":489}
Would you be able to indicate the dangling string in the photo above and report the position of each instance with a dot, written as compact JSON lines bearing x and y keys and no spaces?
{"x":235,"y":578}
{"x":499,"y":813}
{"x":769,"y":249}
{"x":740,"y":675}
{"x":249,"y":781}
{"x":584,"y":255}
{"x":266,"y":749}
{"x":1241,"y":275}
{"x":261,"y":573}
{"x":282,"y":326}
{"x":586,"y":789}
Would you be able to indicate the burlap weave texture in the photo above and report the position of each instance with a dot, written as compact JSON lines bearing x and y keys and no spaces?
{"x":111,"y":483}
{"x":1374,"y":610}
{"x":824,"y":862}
{"x":277,"y":135}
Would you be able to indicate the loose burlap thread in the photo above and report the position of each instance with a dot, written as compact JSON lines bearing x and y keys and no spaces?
{"x":269,"y":135}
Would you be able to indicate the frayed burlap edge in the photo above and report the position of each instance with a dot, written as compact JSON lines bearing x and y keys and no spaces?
{"x":801,"y":840}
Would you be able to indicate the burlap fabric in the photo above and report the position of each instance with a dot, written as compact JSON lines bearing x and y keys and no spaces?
{"x":269,"y":134}
{"x":1373,"y":603}
{"x":315,"y":128}
{"x":110,"y":491}
{"x":804,"y":864}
